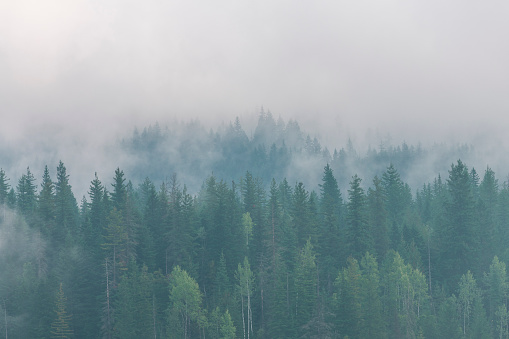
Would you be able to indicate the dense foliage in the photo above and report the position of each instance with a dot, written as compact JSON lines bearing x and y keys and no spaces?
{"x":253,"y":258}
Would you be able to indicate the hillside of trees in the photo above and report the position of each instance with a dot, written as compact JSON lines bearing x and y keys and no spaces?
{"x":259,"y":249}
{"x":274,"y":149}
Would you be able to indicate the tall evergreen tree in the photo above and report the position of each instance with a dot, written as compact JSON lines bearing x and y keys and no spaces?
{"x":46,"y":204}
{"x":119,"y":194}
{"x":305,"y":286}
{"x":359,"y":236}
{"x":301,"y":216}
{"x":461,"y":242}
{"x":349,"y":308}
{"x":61,"y":326}
{"x":26,"y":194}
{"x":4,"y":187}
{"x":373,"y":323}
{"x":66,"y":213}
{"x":377,"y":217}
{"x":329,"y":243}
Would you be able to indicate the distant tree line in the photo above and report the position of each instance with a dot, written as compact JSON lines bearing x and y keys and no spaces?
{"x":243,"y":259}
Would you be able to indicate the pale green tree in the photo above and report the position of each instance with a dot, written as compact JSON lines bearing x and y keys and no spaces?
{"x":185,"y":304}
{"x":245,"y":284}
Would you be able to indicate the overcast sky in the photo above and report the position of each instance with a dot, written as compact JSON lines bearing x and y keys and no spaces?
{"x":414,"y":69}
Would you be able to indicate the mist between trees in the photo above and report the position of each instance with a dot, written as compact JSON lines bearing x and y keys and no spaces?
{"x":245,"y":256}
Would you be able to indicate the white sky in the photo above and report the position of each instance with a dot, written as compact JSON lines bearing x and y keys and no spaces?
{"x":419,"y":70}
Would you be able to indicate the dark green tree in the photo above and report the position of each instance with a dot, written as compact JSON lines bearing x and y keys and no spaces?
{"x":134,"y":305}
{"x":119,"y":194}
{"x":329,"y":242}
{"x":305,"y":286}
{"x":377,"y":217}
{"x":66,"y":212}
{"x":349,"y":307}
{"x":371,"y":304}
{"x":46,"y":204}
{"x":26,"y":194}
{"x":359,"y":235}
{"x":61,"y":327}
{"x":460,"y":241}
{"x":4,"y":187}
{"x":300,"y":214}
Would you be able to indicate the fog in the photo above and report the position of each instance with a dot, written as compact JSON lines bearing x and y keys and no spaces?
{"x":76,"y":77}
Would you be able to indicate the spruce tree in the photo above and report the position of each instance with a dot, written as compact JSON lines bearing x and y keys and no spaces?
{"x":359,"y":236}
{"x":66,"y":212}
{"x":460,"y":240}
{"x":329,"y":242}
{"x":4,"y":187}
{"x":305,"y":286}
{"x":61,"y":327}
{"x":26,"y":194}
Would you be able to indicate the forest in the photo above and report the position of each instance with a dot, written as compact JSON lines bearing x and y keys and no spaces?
{"x":251,"y":253}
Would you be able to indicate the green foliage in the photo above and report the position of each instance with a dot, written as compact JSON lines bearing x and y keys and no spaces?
{"x":305,"y":285}
{"x":359,"y":234}
{"x":185,"y":309}
{"x":245,"y":286}
{"x":61,"y":327}
{"x":135,"y":313}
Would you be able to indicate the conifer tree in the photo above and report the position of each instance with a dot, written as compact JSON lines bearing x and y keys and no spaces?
{"x":377,"y":217}
{"x":349,"y":308}
{"x":329,"y":242}
{"x":359,"y":235}
{"x":119,"y":194}
{"x":46,"y":204}
{"x":305,"y":286}
{"x":373,"y":324}
{"x":4,"y":187}
{"x":26,"y":194}
{"x":459,"y":253}
{"x":61,"y":327}
{"x":300,"y":216}
{"x":498,"y":286}
{"x":66,"y":213}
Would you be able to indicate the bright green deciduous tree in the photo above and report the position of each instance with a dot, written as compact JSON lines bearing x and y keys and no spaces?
{"x":185,"y":304}
{"x":245,"y":286}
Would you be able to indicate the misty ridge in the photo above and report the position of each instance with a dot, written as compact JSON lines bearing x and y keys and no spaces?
{"x":272,"y":148}
{"x":275,"y":149}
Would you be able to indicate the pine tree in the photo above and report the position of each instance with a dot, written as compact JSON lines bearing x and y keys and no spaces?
{"x":460,"y":241}
{"x":329,"y":242}
{"x":4,"y":187}
{"x":133,"y":304}
{"x":26,"y":194}
{"x":305,"y":286}
{"x":349,"y":308}
{"x":119,"y":194}
{"x":498,"y":286}
{"x":377,"y":217}
{"x":61,"y":327}
{"x":300,"y":216}
{"x":46,"y":203}
{"x":66,"y":213}
{"x":359,"y":236}
{"x":373,"y":324}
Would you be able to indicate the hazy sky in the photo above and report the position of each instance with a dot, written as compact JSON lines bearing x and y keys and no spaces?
{"x":414,"y":69}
